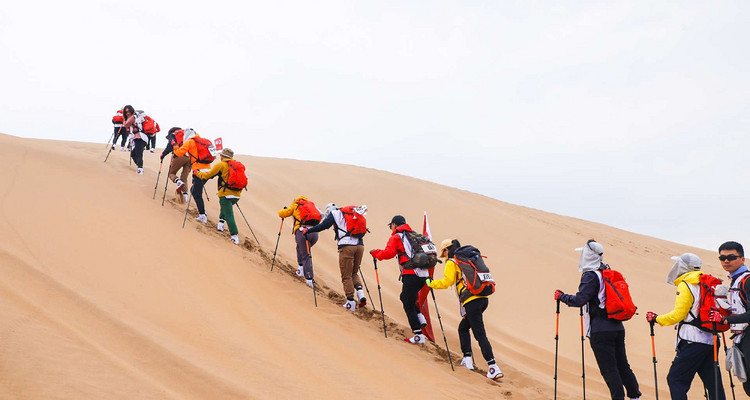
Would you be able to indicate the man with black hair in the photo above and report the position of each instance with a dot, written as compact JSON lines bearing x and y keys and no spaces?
{"x":732,"y":257}
{"x":412,"y":279}
{"x":606,"y":336}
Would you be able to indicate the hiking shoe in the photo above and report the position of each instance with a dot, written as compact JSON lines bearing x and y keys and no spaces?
{"x":152,"y":150}
{"x":122,"y":148}
{"x":361,"y":297}
{"x":113,"y":147}
{"x":350,"y":305}
{"x":418,"y":338}
{"x":139,"y":171}
{"x":185,"y":196}
{"x":468,"y":363}
{"x":179,"y":183}
{"x":422,"y":320}
{"x":300,"y":271}
{"x":202,"y":218}
{"x":220,"y":226}
{"x":234,"y":239}
{"x":494,"y":372}
{"x":309,"y":282}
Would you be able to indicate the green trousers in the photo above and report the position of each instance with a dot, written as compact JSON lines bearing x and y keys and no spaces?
{"x":227,"y":213}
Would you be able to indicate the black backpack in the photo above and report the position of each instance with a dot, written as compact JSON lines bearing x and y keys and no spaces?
{"x":475,"y":273}
{"x":425,"y":253}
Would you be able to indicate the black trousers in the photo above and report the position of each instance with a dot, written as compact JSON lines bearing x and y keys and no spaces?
{"x":151,"y":142}
{"x":412,"y":284}
{"x":745,"y":349}
{"x":120,"y":131}
{"x":609,"y":351}
{"x":137,"y":153}
{"x":694,"y":358}
{"x":473,"y":320}
{"x":197,"y":192}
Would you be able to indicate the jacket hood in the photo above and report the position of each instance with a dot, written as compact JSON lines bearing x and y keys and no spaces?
{"x":403,"y":228}
{"x":591,"y":256}
{"x":692,"y":277}
{"x":300,"y":198}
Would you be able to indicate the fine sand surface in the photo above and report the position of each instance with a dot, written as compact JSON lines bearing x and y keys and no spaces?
{"x":105,"y":296}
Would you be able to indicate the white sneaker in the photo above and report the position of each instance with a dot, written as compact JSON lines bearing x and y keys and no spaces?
{"x":309,"y":282}
{"x":418,"y":338}
{"x":139,"y":171}
{"x":220,"y":226}
{"x":122,"y":148}
{"x":234,"y":239}
{"x":361,"y":296}
{"x":350,"y":305}
{"x":468,"y":363}
{"x":185,"y":196}
{"x":179,"y":183}
{"x":152,"y":150}
{"x":494,"y":372}
{"x":202,"y":218}
{"x":300,"y":271}
{"x":422,"y":320}
{"x":113,"y":147}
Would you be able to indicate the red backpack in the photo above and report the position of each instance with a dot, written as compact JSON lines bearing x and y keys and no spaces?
{"x":707,"y":303}
{"x":237,"y":179}
{"x":205,"y":153}
{"x":150,"y":126}
{"x":118,"y":118}
{"x":309,"y":215}
{"x":356,"y":223}
{"x":474,"y":273}
{"x":617,"y":301}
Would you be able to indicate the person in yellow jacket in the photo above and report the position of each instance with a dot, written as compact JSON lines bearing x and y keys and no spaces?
{"x":305,"y":268}
{"x":197,"y":164}
{"x":471,"y":311}
{"x":227,"y":197}
{"x":694,"y":347}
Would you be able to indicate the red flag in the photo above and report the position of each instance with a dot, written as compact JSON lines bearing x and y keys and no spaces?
{"x":422,"y":298}
{"x":218,"y":145}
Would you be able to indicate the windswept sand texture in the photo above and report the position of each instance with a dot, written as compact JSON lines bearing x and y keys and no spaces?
{"x":104,"y":296}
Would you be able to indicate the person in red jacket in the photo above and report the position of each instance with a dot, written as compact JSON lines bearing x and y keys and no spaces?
{"x":412,"y":279}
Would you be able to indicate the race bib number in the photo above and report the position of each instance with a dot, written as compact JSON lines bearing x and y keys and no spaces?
{"x":485,"y":277}
{"x":429,"y":248}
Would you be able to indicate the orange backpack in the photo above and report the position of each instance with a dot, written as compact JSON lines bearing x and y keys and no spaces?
{"x":356,"y":223}
{"x":618,"y":303}
{"x":707,"y":304}
{"x":237,"y":179}
{"x":309,"y":215}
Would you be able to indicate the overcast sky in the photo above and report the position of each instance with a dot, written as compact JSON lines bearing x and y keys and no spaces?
{"x":629,"y":113}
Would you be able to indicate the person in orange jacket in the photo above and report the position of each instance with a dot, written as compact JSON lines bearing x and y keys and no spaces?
{"x":199,"y":162}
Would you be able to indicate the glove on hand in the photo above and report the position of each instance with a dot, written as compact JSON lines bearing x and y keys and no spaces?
{"x":558,"y":293}
{"x":161,"y":157}
{"x":304,"y":231}
{"x":651,"y":316}
{"x":715,"y":316}
{"x":428,"y":281}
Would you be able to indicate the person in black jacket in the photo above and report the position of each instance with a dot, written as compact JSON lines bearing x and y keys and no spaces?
{"x":606,"y":336}
{"x":174,"y":141}
{"x":732,"y":257}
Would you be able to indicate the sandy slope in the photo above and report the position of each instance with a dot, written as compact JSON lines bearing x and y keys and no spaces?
{"x":105,"y":296}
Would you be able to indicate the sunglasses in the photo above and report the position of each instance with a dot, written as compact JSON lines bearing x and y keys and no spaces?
{"x":730,"y":257}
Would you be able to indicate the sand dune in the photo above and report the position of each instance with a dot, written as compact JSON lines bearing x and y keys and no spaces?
{"x":105,"y":296}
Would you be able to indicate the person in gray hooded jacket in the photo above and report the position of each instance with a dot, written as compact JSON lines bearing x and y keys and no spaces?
{"x":606,"y":336}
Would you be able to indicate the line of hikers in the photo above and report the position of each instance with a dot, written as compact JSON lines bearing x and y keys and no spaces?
{"x":704,"y":309}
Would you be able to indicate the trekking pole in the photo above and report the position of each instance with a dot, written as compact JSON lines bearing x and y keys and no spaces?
{"x":368,"y":290}
{"x":166,"y":183}
{"x":110,"y":137}
{"x":277,"y":245}
{"x":248,"y":224}
{"x":110,"y":147}
{"x":380,"y":296}
{"x":315,"y":298}
{"x":107,"y":157}
{"x":157,"y":179}
{"x":726,"y":350}
{"x":207,"y":199}
{"x":653,"y":355}
{"x":583,"y":363}
{"x":190,"y":197}
{"x":450,"y":359}
{"x":557,"y":340}
{"x":716,"y":361}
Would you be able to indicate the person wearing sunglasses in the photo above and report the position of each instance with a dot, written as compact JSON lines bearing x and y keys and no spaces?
{"x":732,"y":257}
